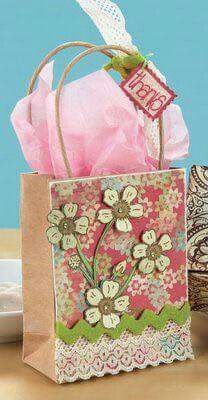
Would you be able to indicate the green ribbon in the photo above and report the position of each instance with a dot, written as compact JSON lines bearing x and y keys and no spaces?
{"x":128,"y":323}
{"x":125,"y":64}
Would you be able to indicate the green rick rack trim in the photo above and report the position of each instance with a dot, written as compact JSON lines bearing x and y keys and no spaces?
{"x":128,"y":323}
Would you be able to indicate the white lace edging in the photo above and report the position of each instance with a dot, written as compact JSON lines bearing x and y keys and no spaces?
{"x":84,"y":360}
{"x":110,"y":21}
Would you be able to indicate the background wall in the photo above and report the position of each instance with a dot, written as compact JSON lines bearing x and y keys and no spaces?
{"x":176,"y":32}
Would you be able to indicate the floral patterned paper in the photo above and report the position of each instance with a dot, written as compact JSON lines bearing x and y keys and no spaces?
{"x":155,"y":204}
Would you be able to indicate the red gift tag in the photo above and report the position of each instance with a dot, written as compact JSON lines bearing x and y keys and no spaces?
{"x":149,"y":93}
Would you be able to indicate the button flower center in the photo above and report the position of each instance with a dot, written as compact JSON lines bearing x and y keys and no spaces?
{"x":154,"y":251}
{"x":121,"y":209}
{"x":66,"y":226}
{"x":106,"y":306}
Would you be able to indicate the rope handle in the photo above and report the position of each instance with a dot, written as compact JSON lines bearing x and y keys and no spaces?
{"x":91,"y":49}
{"x":66,"y":71}
{"x":55,"y":51}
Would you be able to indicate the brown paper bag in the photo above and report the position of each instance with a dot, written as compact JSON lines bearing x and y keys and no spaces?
{"x":81,"y":319}
{"x":38,"y":288}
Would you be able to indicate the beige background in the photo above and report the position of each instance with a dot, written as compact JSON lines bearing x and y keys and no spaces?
{"x":179,"y":381}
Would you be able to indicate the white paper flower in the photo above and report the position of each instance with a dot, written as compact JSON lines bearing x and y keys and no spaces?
{"x":150,"y":251}
{"x":74,"y":262}
{"x":121,"y":208}
{"x":105,"y":306}
{"x":65,"y":226}
{"x":119,"y":269}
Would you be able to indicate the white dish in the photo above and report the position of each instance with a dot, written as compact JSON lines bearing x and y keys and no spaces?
{"x":11,"y":322}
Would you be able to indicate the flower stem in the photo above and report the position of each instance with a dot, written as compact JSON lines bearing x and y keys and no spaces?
{"x":95,"y":262}
{"x":128,"y":280}
{"x":87,"y":276}
{"x":89,"y":271}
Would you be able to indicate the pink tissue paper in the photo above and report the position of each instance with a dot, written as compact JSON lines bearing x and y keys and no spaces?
{"x":102,"y":130}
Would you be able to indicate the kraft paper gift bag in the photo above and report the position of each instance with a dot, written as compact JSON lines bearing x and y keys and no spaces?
{"x":197,"y":223}
{"x":119,"y":284}
{"x":104,"y":269}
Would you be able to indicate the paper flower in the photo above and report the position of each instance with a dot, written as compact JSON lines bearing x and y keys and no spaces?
{"x":150,"y":252}
{"x":119,"y":269}
{"x":105,"y":306}
{"x":74,"y":262}
{"x":121,"y":208}
{"x":65,"y":226}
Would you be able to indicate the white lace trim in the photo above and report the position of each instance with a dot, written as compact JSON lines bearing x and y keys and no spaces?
{"x":110,"y":21}
{"x":151,"y":128}
{"x":84,"y":360}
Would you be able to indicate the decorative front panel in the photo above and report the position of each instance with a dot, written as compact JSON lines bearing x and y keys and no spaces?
{"x":119,"y":254}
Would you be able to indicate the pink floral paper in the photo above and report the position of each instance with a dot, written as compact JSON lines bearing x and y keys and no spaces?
{"x":162,"y":197}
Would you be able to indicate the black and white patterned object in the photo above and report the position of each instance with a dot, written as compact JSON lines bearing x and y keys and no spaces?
{"x":197,"y":219}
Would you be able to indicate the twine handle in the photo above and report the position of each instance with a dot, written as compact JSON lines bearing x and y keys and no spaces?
{"x":161,"y":144}
{"x":91,"y":49}
{"x":68,"y":68}
{"x":52,"y":53}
